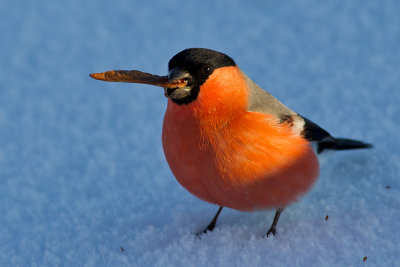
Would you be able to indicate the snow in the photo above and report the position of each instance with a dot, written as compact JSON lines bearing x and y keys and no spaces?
{"x":83,"y":179}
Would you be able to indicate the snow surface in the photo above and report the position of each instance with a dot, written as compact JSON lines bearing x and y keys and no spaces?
{"x":83,"y":179}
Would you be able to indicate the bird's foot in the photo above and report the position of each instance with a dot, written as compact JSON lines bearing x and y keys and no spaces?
{"x":209,"y":228}
{"x":272,"y":231}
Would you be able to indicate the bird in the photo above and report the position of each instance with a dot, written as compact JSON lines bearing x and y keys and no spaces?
{"x":228,"y":141}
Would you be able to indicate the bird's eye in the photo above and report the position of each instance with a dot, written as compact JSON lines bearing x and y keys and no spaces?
{"x":206,"y":70}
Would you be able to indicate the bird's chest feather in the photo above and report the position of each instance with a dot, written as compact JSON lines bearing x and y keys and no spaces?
{"x":249,"y":162}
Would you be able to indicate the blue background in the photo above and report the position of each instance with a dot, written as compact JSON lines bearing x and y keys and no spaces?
{"x":82,"y":171}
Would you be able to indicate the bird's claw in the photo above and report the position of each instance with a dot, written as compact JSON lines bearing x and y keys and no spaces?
{"x":272,"y":231}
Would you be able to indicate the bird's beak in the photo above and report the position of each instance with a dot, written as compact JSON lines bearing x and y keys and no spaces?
{"x":135,"y":76}
{"x":178,"y":76}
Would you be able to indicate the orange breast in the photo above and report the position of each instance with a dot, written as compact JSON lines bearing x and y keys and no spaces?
{"x":247,"y":161}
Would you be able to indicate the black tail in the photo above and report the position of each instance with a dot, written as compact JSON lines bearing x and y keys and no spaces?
{"x":344,"y":144}
{"x":312,"y":132}
{"x":341,"y":144}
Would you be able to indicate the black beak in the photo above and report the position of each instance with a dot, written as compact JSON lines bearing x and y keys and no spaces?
{"x":177,"y":74}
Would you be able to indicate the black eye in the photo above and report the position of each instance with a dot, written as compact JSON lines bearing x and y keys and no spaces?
{"x":206,"y":70}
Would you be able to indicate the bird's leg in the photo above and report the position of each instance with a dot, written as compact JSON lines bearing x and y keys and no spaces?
{"x":272,"y":229}
{"x":211,"y":226}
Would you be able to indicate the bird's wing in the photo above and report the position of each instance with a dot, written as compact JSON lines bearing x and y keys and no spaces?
{"x":262,"y":101}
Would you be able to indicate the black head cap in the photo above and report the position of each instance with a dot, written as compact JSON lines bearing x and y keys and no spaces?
{"x":194,"y":58}
{"x":200,"y":63}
